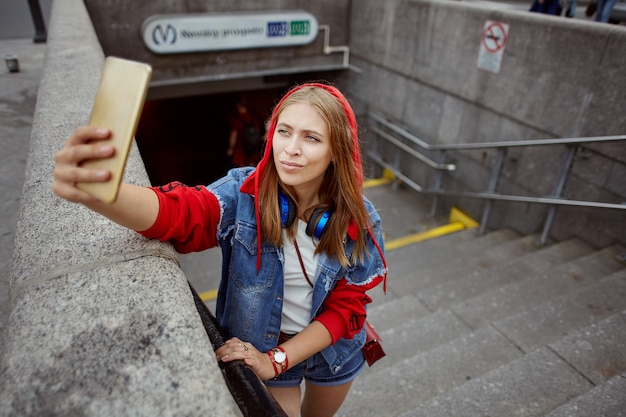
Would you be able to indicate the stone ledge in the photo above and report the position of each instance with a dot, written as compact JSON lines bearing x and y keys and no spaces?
{"x":101,"y":320}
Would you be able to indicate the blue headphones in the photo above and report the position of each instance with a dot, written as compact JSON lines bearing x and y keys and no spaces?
{"x":316,"y":224}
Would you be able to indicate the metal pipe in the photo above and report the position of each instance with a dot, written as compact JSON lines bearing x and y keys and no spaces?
{"x":406,"y":180}
{"x":438,"y":180}
{"x":494,"y":180}
{"x":40,"y":25}
{"x":491,"y":145}
{"x":332,"y":49}
{"x":527,"y":199}
{"x":413,"y":152}
{"x":566,"y":166}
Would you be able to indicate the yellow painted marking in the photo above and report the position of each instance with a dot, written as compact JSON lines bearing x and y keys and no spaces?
{"x":457,"y":215}
{"x":387,"y":178}
{"x":208,"y":295}
{"x":429,"y":234}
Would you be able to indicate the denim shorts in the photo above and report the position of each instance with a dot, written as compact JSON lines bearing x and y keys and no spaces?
{"x":317,"y":371}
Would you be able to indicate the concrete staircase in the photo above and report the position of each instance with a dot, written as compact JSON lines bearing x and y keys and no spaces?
{"x":494,"y":325}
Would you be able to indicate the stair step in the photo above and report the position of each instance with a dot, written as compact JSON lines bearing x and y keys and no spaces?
{"x":537,"y":289}
{"x":419,"y":335}
{"x":465,"y":285}
{"x":434,"y":252}
{"x":386,"y":315}
{"x":598,"y":351}
{"x":606,"y":400}
{"x":530,"y":386}
{"x":422,"y":278}
{"x":408,"y":265}
{"x":555,"y":319}
{"x":405,"y":385}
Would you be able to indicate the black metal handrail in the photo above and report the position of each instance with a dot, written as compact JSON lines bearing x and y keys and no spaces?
{"x":248,"y":391}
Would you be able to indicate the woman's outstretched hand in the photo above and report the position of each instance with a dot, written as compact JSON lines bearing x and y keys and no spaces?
{"x":235,"y":349}
{"x":85,"y":143}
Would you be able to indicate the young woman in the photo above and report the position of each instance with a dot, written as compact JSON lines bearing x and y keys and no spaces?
{"x":301,"y":244}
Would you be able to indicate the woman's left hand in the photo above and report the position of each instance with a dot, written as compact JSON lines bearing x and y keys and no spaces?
{"x":235,"y":349}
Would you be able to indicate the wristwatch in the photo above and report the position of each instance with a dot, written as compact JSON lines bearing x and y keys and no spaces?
{"x":280,"y":357}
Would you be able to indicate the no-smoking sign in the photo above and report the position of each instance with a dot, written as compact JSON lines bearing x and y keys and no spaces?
{"x":492,"y":43}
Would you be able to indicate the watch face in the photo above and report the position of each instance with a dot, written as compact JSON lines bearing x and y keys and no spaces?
{"x":279,"y":357}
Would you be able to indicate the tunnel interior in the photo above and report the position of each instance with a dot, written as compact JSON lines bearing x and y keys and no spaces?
{"x":186,"y":138}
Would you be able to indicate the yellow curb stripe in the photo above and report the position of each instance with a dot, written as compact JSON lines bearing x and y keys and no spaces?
{"x":387,"y":178}
{"x":457,"y":215}
{"x":429,"y":234}
{"x":208,"y":295}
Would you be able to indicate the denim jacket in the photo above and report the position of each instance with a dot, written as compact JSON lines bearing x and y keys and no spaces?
{"x":250,"y":302}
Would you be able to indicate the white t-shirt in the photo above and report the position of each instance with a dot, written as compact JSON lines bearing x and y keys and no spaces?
{"x":298,"y":294}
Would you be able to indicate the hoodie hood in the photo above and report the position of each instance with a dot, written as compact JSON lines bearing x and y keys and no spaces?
{"x":251,"y":185}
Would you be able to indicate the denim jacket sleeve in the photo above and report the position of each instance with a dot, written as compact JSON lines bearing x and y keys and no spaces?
{"x":249,"y":303}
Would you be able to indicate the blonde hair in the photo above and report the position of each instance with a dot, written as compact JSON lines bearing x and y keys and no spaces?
{"x":339,"y":191}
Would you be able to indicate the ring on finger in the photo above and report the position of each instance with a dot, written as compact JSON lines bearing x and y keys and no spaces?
{"x":245,"y":347}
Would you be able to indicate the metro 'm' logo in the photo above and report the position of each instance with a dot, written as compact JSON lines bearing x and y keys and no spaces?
{"x":167,"y":35}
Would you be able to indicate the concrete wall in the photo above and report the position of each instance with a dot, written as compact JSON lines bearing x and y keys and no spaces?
{"x":101,"y":322}
{"x":118,"y":28}
{"x":559,"y":78}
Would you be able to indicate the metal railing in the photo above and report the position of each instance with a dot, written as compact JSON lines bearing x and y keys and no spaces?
{"x":250,"y":394}
{"x":406,"y":143}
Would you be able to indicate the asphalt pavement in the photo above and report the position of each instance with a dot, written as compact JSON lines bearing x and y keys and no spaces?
{"x":18,"y":96}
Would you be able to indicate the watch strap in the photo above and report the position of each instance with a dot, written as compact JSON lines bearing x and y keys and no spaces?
{"x":284,"y":365}
{"x":270,"y":353}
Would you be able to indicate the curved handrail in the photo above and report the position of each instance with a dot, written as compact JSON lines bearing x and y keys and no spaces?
{"x":248,"y":391}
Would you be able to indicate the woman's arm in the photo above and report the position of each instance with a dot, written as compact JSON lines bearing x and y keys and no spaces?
{"x":305,"y":344}
{"x":135,"y":208}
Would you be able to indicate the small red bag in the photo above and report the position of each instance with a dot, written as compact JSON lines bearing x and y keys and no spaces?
{"x":372,"y":350}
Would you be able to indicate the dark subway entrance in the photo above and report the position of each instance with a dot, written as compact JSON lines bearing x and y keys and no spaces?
{"x":186,"y":138}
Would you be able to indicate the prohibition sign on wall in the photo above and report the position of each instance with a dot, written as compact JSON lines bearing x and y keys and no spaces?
{"x":492,"y":43}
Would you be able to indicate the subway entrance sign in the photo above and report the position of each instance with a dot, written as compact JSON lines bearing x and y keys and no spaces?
{"x":171,"y":34}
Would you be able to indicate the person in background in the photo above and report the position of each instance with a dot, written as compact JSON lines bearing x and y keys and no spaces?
{"x":570,"y":8}
{"x":552,"y":7}
{"x":603,"y":10}
{"x":301,"y":244}
{"x":246,"y":136}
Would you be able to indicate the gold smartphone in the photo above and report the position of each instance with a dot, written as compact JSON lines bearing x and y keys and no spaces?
{"x":117,"y":106}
